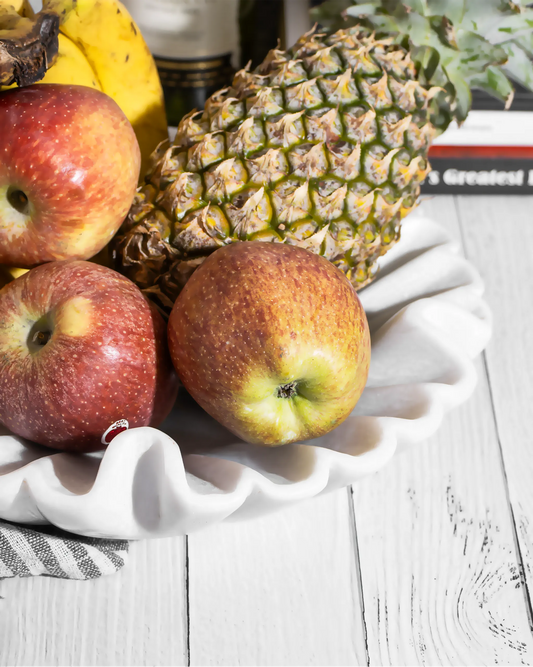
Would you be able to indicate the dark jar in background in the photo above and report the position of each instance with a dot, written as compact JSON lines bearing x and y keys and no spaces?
{"x":195,"y":44}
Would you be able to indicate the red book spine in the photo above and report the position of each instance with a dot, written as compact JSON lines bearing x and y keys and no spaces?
{"x":491,"y":152}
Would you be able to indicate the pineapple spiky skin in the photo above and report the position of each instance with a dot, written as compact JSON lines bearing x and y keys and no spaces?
{"x":323,"y":146}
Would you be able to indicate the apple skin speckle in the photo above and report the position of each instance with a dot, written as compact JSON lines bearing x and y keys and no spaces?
{"x":114,"y":364}
{"x":255,"y":317}
{"x":74,"y":154}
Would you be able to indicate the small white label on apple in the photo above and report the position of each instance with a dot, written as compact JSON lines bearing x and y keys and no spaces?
{"x":115,"y":428}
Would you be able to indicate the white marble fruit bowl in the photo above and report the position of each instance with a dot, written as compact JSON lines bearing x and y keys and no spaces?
{"x":428,"y":321}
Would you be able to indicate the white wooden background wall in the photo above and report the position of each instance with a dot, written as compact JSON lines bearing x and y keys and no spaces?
{"x":428,"y":562}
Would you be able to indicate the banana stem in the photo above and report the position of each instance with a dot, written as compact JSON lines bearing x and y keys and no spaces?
{"x":28,"y":46}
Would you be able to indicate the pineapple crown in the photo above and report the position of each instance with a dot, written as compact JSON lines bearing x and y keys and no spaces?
{"x":456,"y":45}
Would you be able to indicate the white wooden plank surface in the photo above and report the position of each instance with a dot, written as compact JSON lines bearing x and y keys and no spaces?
{"x":280,"y":590}
{"x":498,"y":236}
{"x":440,"y":572}
{"x":135,"y":617}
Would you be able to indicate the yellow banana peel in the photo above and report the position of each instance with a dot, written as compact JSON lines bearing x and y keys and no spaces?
{"x":22,"y":7}
{"x":71,"y":66}
{"x":100,"y":46}
{"x":15,"y":272}
{"x":25,"y":9}
{"x":10,"y":9}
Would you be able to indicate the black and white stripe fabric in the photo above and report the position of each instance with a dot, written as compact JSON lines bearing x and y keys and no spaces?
{"x":26,"y":552}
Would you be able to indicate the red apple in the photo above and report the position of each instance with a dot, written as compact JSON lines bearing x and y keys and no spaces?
{"x":272,"y":341}
{"x":69,"y":165}
{"x":80,"y":349}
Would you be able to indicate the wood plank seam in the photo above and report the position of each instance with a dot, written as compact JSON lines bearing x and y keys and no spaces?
{"x":187,"y":610}
{"x":461,"y":230}
{"x":353,"y":527}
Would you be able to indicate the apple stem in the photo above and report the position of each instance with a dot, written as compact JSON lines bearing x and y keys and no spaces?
{"x":286,"y":390}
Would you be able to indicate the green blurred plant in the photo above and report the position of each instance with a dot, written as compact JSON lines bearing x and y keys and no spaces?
{"x":455,"y":44}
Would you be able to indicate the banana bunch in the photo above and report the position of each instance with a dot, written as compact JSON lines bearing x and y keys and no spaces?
{"x":99,"y":46}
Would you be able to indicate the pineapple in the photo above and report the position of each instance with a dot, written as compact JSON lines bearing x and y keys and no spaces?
{"x":322,"y":146}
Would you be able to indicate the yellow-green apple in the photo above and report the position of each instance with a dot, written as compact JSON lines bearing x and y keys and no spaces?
{"x":69,"y":165}
{"x":80,"y":349}
{"x":272,"y":341}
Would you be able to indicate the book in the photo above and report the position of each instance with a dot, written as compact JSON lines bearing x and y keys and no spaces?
{"x":491,"y":153}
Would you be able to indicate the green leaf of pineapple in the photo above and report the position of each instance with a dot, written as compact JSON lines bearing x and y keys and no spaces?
{"x":494,"y":82}
{"x":476,"y":53}
{"x":511,"y":27}
{"x":428,"y":60}
{"x":463,"y":94}
{"x":331,"y":14}
{"x":518,"y":66}
{"x":444,"y":30}
{"x":453,"y":10}
{"x":364,"y":9}
{"x":420,"y":6}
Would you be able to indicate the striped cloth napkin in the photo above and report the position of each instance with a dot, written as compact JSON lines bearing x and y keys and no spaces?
{"x":50,"y":551}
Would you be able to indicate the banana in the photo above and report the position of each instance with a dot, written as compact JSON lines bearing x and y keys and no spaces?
{"x":71,"y":66}
{"x":24,"y":8}
{"x":11,"y":9}
{"x":28,"y":43}
{"x":21,"y":7}
{"x":100,"y":46}
{"x":15,"y":272}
